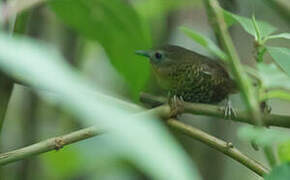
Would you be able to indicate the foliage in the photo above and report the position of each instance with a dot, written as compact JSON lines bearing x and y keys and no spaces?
{"x":141,"y":141}
{"x":205,"y":42}
{"x":274,"y":80}
{"x":281,"y":172}
{"x":284,"y":151}
{"x":263,"y":137}
{"x":75,"y":94}
{"x":117,"y":27}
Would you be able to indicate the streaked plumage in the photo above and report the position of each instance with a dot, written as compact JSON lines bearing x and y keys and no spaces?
{"x":189,"y":75}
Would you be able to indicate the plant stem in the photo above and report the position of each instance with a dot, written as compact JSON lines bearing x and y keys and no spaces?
{"x":220,"y":145}
{"x":55,"y":143}
{"x":236,"y":66}
{"x":244,"y":84}
{"x":217,"y":111}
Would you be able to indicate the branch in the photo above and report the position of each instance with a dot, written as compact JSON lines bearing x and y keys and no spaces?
{"x":234,"y":62}
{"x":217,"y":111}
{"x":220,"y":145}
{"x":242,"y":80}
{"x":55,"y":143}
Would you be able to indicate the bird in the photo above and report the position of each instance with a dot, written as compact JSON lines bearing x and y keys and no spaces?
{"x":190,"y":76}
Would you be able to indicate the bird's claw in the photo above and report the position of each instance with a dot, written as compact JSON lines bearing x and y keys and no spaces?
{"x":176,"y":105}
{"x":229,"y":111}
{"x":265,"y":108}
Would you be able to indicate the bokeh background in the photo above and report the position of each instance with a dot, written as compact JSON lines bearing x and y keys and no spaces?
{"x":102,"y":49}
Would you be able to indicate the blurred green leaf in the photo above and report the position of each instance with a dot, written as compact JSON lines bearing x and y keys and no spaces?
{"x":117,"y":27}
{"x":264,"y":27}
{"x":272,"y":77}
{"x":284,"y":151}
{"x":205,"y":42}
{"x":263,"y":136}
{"x":281,"y":172}
{"x":276,"y":82}
{"x":141,"y":139}
{"x":277,"y":36}
{"x":157,"y":8}
{"x":281,"y":56}
{"x":64,"y":164}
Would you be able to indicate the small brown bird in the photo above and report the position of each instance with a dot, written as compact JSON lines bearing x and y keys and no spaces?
{"x":190,"y":76}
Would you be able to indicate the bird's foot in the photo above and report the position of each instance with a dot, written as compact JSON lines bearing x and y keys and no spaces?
{"x":229,"y":110}
{"x":176,"y":106}
{"x":265,"y":108}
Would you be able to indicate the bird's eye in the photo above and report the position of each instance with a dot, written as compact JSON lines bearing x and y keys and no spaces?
{"x":158,"y":55}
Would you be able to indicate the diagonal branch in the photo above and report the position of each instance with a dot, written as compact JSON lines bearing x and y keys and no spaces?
{"x":220,"y":145}
{"x":217,"y":111}
{"x":55,"y":143}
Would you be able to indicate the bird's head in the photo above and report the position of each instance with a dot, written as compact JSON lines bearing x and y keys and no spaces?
{"x":164,"y":55}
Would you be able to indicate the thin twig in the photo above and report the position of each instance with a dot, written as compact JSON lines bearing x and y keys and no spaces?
{"x":59,"y":142}
{"x":220,"y":145}
{"x":55,"y":143}
{"x":245,"y":86}
{"x":217,"y":111}
{"x":235,"y":65}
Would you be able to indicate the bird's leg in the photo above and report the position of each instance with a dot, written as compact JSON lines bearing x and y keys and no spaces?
{"x":265,"y":108}
{"x":176,"y":106}
{"x":229,"y":110}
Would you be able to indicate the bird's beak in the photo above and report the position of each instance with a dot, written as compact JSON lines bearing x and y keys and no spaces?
{"x":143,"y":53}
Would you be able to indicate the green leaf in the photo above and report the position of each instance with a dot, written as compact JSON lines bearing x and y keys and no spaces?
{"x":263,"y":136}
{"x":281,"y":172}
{"x":205,"y":42}
{"x":117,"y":27}
{"x":277,"y":36}
{"x":281,"y":56}
{"x":284,"y":151}
{"x":276,"y":82}
{"x":264,"y":27}
{"x":157,"y":8}
{"x":142,"y":140}
{"x":272,"y":77}
{"x":64,"y":164}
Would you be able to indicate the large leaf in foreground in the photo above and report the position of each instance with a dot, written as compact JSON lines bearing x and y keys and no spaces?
{"x":140,"y":139}
{"x":117,"y":27}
